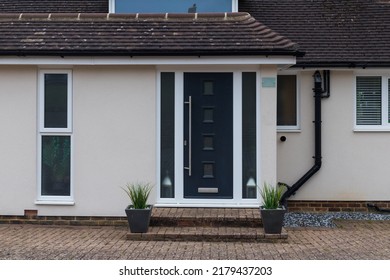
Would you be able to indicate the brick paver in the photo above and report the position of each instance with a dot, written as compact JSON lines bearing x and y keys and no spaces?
{"x":351,"y":240}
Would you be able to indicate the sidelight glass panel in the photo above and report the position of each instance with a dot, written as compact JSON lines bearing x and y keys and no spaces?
{"x":56,"y":101}
{"x":56,"y":165}
{"x":249,"y":168}
{"x":167,"y":135}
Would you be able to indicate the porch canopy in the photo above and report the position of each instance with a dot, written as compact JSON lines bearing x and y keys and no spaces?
{"x":86,"y":34}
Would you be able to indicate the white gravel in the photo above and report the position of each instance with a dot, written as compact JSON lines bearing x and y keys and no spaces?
{"x":326,"y":219}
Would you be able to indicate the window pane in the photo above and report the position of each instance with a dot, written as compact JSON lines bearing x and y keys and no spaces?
{"x":208,"y":88}
{"x":249,"y":135}
{"x":208,"y":115}
{"x":208,"y":142}
{"x":56,"y":165}
{"x":287,"y":100}
{"x":172,"y":6}
{"x":167,"y":134}
{"x":208,"y":170}
{"x":368,"y":100}
{"x":56,"y":101}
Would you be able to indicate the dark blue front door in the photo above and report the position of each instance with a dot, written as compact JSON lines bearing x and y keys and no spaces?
{"x":208,"y":135}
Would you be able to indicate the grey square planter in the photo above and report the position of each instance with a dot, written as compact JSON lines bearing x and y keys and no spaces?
{"x":272,"y":220}
{"x":138,"y":219}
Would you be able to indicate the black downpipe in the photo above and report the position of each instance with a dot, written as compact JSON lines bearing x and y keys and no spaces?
{"x":377,"y":208}
{"x":318,"y":94}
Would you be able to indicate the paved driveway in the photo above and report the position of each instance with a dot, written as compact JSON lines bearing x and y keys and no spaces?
{"x":351,"y":240}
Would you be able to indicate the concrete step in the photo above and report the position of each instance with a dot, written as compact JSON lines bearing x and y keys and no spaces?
{"x":207,"y":225}
{"x":205,"y":217}
{"x":208,"y":234}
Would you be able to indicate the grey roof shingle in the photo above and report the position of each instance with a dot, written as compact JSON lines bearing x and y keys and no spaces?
{"x":159,"y":34}
{"x":344,"y":33}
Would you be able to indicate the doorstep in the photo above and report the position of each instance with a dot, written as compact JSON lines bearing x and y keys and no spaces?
{"x":208,"y":234}
{"x":207,"y":224}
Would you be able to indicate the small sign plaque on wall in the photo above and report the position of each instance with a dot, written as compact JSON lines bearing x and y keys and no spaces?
{"x":268,"y":82}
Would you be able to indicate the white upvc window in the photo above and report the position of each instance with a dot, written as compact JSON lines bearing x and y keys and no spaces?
{"x":372,"y":103}
{"x":55,"y":136}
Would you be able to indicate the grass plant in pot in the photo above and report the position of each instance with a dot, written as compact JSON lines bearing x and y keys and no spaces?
{"x":272,"y":213}
{"x":139,"y":211}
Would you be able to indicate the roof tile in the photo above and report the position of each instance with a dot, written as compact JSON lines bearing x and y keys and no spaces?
{"x":143,"y":34}
{"x":331,"y":32}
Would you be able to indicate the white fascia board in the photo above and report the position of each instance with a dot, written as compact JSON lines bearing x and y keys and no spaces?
{"x":126,"y":60}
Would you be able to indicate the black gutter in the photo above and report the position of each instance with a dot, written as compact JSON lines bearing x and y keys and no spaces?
{"x":318,"y":95}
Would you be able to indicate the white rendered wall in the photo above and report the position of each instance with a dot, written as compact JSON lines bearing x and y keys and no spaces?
{"x":355,"y":164}
{"x":114,"y":138}
{"x":18,"y":129}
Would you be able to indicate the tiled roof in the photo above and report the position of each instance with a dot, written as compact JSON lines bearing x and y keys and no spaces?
{"x":159,"y":34}
{"x":343,"y":33}
{"x":53,"y":6}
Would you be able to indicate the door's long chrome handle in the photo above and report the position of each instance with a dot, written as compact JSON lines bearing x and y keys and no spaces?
{"x":189,"y":103}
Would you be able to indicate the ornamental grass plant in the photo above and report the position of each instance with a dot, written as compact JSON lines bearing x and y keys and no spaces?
{"x":138,"y":194}
{"x":271,"y":196}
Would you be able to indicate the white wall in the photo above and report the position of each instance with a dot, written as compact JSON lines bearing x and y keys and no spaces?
{"x":355,"y":164}
{"x":114,"y":138}
{"x":267,"y":132}
{"x":18,"y":93}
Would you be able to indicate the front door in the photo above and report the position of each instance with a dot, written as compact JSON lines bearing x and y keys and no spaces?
{"x":208,"y":135}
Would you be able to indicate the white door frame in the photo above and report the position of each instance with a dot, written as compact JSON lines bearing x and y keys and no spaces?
{"x":179,"y":200}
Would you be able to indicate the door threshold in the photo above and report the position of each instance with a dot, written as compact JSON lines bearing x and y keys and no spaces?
{"x":207,"y":205}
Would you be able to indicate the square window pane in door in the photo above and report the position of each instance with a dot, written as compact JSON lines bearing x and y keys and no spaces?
{"x":208,"y":87}
{"x":208,"y":115}
{"x":208,"y":169}
{"x":56,"y":158}
{"x":56,"y":101}
{"x":208,"y":142}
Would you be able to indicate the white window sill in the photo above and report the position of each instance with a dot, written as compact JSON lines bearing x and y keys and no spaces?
{"x":284,"y":130}
{"x":376,"y":129}
{"x":54,"y":202}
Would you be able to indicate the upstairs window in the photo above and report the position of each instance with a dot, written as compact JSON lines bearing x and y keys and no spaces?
{"x":173,"y":6}
{"x":372,"y":103}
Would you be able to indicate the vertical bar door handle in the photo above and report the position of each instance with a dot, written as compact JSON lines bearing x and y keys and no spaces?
{"x":189,"y":103}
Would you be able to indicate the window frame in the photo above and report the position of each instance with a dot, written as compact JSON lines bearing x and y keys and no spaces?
{"x":297,"y":127}
{"x":42,"y":131}
{"x":385,"y":123}
{"x":42,"y":127}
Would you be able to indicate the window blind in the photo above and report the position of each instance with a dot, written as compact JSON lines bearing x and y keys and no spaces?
{"x":368,"y":100}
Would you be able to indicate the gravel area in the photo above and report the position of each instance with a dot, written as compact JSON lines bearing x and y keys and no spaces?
{"x":326,"y":219}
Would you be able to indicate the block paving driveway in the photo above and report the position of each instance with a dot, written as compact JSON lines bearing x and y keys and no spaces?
{"x":351,"y":240}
